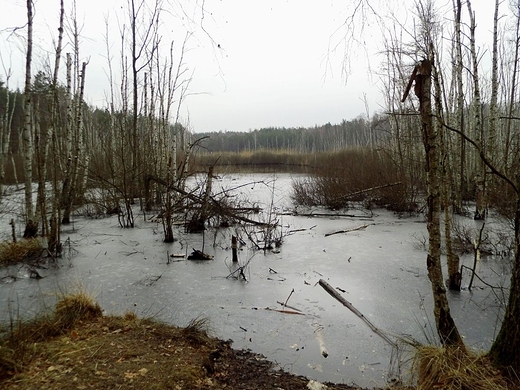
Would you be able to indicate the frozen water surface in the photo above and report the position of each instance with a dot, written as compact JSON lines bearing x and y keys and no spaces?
{"x":380,"y":269}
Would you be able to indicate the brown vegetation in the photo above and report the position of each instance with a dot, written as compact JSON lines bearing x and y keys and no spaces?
{"x":348,"y":176}
{"x":263,"y":160}
{"x":19,"y":251}
{"x":78,"y":348}
{"x":456,"y":369}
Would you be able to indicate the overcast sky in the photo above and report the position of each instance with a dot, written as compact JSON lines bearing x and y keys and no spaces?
{"x":255,"y":63}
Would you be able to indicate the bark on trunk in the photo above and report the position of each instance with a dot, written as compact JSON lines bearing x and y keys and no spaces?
{"x":446,"y":328}
{"x":505,"y":350}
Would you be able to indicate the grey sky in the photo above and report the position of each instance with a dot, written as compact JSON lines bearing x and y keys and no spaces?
{"x":275,"y":66}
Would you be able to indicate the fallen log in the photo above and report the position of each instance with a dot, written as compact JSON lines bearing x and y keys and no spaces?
{"x":327,"y":287}
{"x":362,"y":227}
{"x":316,"y":214}
{"x":368,"y":190}
{"x":285,"y":311}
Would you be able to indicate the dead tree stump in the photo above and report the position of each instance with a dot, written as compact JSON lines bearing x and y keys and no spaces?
{"x":234,"y":248}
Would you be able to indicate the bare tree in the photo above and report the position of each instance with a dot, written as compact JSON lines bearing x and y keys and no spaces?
{"x":516,"y":41}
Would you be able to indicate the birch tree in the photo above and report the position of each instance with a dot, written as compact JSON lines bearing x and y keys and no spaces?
{"x":5,"y":130}
{"x":31,"y":227}
{"x":74,"y":137}
{"x":43,"y":140}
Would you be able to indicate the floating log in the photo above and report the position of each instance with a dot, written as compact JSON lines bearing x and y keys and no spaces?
{"x":327,"y":287}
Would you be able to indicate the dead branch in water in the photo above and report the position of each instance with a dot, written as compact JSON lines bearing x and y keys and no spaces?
{"x":285,"y":311}
{"x":347,"y":231}
{"x":327,"y":287}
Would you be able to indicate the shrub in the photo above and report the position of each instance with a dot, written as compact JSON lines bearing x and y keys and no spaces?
{"x":356,"y":175}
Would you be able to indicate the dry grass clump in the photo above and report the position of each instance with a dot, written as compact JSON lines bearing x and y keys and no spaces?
{"x":16,"y":252}
{"x":76,"y":307}
{"x":19,"y":339}
{"x":455,"y":369}
{"x":197,"y":331}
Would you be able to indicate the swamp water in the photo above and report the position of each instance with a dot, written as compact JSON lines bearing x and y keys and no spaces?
{"x":380,"y":269}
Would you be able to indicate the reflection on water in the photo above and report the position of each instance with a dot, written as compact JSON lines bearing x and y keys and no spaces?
{"x":379,"y":269}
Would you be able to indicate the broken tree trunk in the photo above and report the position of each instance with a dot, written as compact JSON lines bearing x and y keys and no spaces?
{"x":446,"y":328}
{"x":205,"y":202}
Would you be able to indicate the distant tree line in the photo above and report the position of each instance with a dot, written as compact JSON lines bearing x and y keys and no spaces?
{"x":359,"y":132}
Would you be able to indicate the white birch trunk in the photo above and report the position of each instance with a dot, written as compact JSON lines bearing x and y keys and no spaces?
{"x":31,"y":227}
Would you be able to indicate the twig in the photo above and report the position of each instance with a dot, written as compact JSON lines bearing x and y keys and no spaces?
{"x":287,"y":300}
{"x":290,"y":307}
{"x":482,"y":280}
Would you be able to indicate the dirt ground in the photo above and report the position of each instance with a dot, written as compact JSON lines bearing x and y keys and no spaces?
{"x":131,"y":353}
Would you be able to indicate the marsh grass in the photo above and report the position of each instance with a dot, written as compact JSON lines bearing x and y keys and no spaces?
{"x":455,"y":369}
{"x":20,"y":251}
{"x":197,"y":331}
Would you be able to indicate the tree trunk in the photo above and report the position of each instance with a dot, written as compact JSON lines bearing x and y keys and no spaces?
{"x":480,"y":206}
{"x":454,"y":274}
{"x":31,"y":226}
{"x":507,"y":158}
{"x":460,"y":106}
{"x":446,"y":328}
{"x":505,"y":350}
{"x":77,"y":130}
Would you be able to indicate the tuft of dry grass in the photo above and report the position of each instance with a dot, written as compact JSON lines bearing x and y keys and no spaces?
{"x":455,"y":369}
{"x":16,"y":252}
{"x":19,"y":338}
{"x":76,"y":307}
{"x":197,"y":331}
